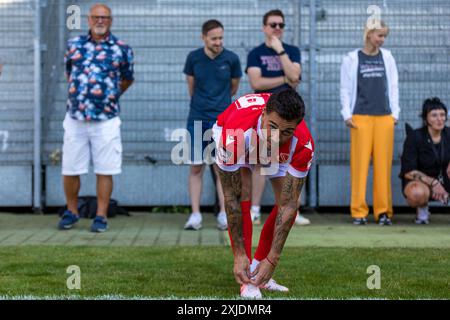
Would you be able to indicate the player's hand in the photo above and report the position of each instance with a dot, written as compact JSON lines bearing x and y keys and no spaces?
{"x":349,"y":123}
{"x":439,"y":193}
{"x":275,"y":44}
{"x":241,"y":269}
{"x":263,"y":273}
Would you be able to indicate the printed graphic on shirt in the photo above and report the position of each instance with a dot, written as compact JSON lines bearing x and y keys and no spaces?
{"x":273,"y":63}
{"x":372,"y":69}
{"x":94,"y":71}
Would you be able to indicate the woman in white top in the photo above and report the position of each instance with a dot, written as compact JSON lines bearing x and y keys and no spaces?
{"x":369,"y":100}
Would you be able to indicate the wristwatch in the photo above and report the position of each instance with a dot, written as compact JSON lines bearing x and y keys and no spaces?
{"x":281,"y":53}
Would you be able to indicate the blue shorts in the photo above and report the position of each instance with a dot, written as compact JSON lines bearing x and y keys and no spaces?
{"x":202,"y":149}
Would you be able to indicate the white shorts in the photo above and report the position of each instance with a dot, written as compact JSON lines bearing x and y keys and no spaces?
{"x":101,"y":139}
{"x":217,"y":133}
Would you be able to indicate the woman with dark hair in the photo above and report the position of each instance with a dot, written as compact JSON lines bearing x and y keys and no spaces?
{"x":425,"y":170}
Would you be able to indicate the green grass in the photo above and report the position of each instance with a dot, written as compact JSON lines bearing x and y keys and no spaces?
{"x":191,"y":272}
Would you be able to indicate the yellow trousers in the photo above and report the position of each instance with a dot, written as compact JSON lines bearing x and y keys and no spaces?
{"x":373,"y":138}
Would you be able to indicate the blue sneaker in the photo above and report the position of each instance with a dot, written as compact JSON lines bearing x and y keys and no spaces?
{"x":100,"y":224}
{"x":68,"y":220}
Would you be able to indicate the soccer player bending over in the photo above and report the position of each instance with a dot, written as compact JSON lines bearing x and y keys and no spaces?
{"x":265,"y":130}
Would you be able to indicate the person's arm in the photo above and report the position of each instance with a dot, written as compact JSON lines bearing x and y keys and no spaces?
{"x":438,"y":191}
{"x":416,"y":175}
{"x":260,"y":83}
{"x":232,"y":185}
{"x":234,"y":86}
{"x":346,"y":92}
{"x":190,"y":82}
{"x":292,"y":188}
{"x":393,"y":91}
{"x":124,"y":85}
{"x":126,"y":69}
{"x":291,"y":69}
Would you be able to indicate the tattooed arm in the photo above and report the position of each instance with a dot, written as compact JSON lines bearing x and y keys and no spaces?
{"x":419,"y":176}
{"x":438,"y":191}
{"x":290,"y":194}
{"x":232,"y":186}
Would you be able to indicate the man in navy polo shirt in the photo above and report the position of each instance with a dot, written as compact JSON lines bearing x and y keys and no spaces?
{"x":271,"y":67}
{"x":212,"y":74}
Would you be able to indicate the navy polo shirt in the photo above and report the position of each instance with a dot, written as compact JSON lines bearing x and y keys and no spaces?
{"x":212,"y":82}
{"x":269,"y":62}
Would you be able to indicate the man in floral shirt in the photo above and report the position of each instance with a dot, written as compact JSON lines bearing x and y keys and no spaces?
{"x":99,"y":69}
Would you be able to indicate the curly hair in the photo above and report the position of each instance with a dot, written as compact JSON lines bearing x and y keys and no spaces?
{"x":288,"y":104}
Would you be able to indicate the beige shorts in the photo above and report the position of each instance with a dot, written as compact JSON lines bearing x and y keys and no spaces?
{"x":100,"y":139}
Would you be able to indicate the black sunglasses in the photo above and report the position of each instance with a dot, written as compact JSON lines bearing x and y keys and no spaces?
{"x":273,"y":25}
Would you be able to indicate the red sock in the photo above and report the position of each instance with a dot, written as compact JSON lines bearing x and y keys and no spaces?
{"x":247,"y":229}
{"x":266,"y":238}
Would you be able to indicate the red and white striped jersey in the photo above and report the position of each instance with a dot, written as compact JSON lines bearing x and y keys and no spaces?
{"x":240,"y":126}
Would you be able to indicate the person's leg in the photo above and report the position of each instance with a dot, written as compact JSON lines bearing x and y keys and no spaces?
{"x":361,"y":145}
{"x":383,"y":149}
{"x":417,"y":195}
{"x":106,"y":144}
{"x":71,"y":190}
{"x":104,"y":191}
{"x":195,"y":186}
{"x":75,"y":162}
{"x":258,"y":185}
{"x":219,"y":189}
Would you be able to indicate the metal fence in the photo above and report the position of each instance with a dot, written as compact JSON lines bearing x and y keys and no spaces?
{"x":161,"y":33}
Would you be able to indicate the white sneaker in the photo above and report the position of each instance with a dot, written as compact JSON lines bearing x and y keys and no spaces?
{"x":222,"y":221}
{"x":301,"y":220}
{"x":271,"y":285}
{"x":256,"y":217}
{"x":194,"y":222}
{"x":250,"y":291}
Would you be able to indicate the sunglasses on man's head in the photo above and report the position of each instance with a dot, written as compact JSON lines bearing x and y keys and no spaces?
{"x":273,"y":25}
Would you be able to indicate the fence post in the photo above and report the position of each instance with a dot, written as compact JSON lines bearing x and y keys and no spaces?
{"x":312,"y":181}
{"x":37,"y":171}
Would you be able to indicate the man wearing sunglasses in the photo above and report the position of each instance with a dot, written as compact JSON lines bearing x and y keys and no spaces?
{"x":99,"y":69}
{"x":271,"y":67}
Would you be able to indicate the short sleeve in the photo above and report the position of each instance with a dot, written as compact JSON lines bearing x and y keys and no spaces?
{"x":236,"y":71}
{"x":127,"y":65}
{"x":67,"y":60}
{"x":302,"y":160}
{"x":295,"y":55}
{"x":189,"y":66}
{"x":253,"y":60}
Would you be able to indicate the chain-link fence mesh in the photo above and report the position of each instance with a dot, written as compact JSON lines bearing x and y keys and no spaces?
{"x":16,"y":82}
{"x":419,"y":39}
{"x":163,"y":32}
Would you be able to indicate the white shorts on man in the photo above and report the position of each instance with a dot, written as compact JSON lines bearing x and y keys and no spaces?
{"x":101,"y":139}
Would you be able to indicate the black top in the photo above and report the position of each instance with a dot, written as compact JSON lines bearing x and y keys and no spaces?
{"x":420,"y":153}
